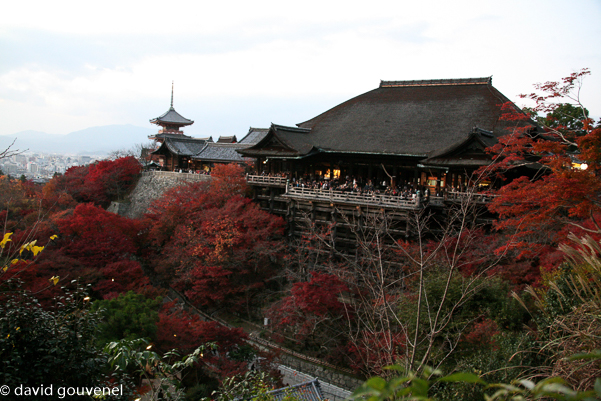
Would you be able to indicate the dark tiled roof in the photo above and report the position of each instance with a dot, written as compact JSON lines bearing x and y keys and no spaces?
{"x":182,"y":146}
{"x":221,"y":152}
{"x":164,"y":135}
{"x":254,"y":136}
{"x":282,"y":141}
{"x":468,"y":151}
{"x":227,"y":139}
{"x":171,"y":117}
{"x":309,"y":391}
{"x":435,"y":82}
{"x":414,"y":118}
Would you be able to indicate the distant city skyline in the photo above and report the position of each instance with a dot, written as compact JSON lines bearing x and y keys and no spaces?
{"x":69,"y":65}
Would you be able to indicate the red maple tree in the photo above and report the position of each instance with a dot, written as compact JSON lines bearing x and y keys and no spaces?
{"x":214,"y":244}
{"x":563,"y":195}
{"x":101,"y":182}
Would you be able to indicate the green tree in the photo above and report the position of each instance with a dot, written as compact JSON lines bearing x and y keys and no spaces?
{"x":566,"y":118}
{"x":128,"y":316}
{"x":51,"y":347}
{"x":163,"y":373}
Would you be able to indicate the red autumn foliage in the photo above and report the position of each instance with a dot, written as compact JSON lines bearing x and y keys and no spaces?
{"x":93,"y":245}
{"x":482,"y":335}
{"x":311,"y":303}
{"x":181,"y":330}
{"x":121,"y":277}
{"x":96,"y":237}
{"x":177,"y":204}
{"x":227,"y":180}
{"x":216,"y":246}
{"x":538,"y":211}
{"x":319,"y":296}
{"x":19,"y":204}
{"x":376,"y":350}
{"x":101,"y":182}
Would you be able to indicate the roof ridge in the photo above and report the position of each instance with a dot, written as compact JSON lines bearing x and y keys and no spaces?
{"x":291,"y":129}
{"x":437,"y":82}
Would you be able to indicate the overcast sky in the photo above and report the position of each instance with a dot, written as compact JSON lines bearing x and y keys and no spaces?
{"x":70,"y":65}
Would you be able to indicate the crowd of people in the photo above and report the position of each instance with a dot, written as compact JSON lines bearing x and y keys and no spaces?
{"x":360,"y":186}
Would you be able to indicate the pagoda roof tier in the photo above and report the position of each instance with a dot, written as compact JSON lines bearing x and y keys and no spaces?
{"x":172,"y":118}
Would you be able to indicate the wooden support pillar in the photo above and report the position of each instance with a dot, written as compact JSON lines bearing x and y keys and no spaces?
{"x":334,"y":228}
{"x":271,"y":199}
{"x":291,"y":213}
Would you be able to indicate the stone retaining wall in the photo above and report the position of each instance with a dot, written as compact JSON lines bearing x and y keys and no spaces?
{"x":151,"y":186}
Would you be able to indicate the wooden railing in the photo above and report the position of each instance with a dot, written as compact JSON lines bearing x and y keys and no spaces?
{"x":266,"y":180}
{"x":363,"y":199}
{"x":352,"y":198}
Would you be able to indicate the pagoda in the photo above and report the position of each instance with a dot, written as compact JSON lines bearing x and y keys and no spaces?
{"x":171,"y":123}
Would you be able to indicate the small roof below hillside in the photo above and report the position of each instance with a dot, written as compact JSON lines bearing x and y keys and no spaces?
{"x":308,"y":391}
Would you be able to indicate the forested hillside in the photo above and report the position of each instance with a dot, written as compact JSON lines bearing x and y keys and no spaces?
{"x":87,"y":293}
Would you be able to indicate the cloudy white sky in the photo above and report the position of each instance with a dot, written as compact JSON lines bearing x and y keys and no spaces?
{"x":69,"y":65}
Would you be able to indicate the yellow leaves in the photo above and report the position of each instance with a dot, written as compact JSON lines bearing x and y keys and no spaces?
{"x":54,"y":279}
{"x":12,"y":262}
{"x":5,"y":240}
{"x":37,"y":249}
{"x":8,"y":335}
{"x":31,"y":246}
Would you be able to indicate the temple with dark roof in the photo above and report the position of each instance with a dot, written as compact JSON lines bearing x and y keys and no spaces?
{"x":171,"y":123}
{"x":430,"y":132}
{"x":378,"y":149}
{"x":181,"y":152}
{"x":177,"y":151}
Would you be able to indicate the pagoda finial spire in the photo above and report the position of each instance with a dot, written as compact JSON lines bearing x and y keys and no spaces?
{"x":171,"y":94}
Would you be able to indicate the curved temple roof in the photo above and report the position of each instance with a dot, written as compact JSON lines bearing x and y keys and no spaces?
{"x":171,"y":117}
{"x":402,"y":118}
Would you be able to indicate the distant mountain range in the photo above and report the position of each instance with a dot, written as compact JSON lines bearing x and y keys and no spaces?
{"x":94,"y":141}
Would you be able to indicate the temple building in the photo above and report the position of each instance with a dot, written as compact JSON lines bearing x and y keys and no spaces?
{"x":180,"y":152}
{"x":382,"y":148}
{"x":171,"y":123}
{"x":430,"y":133}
